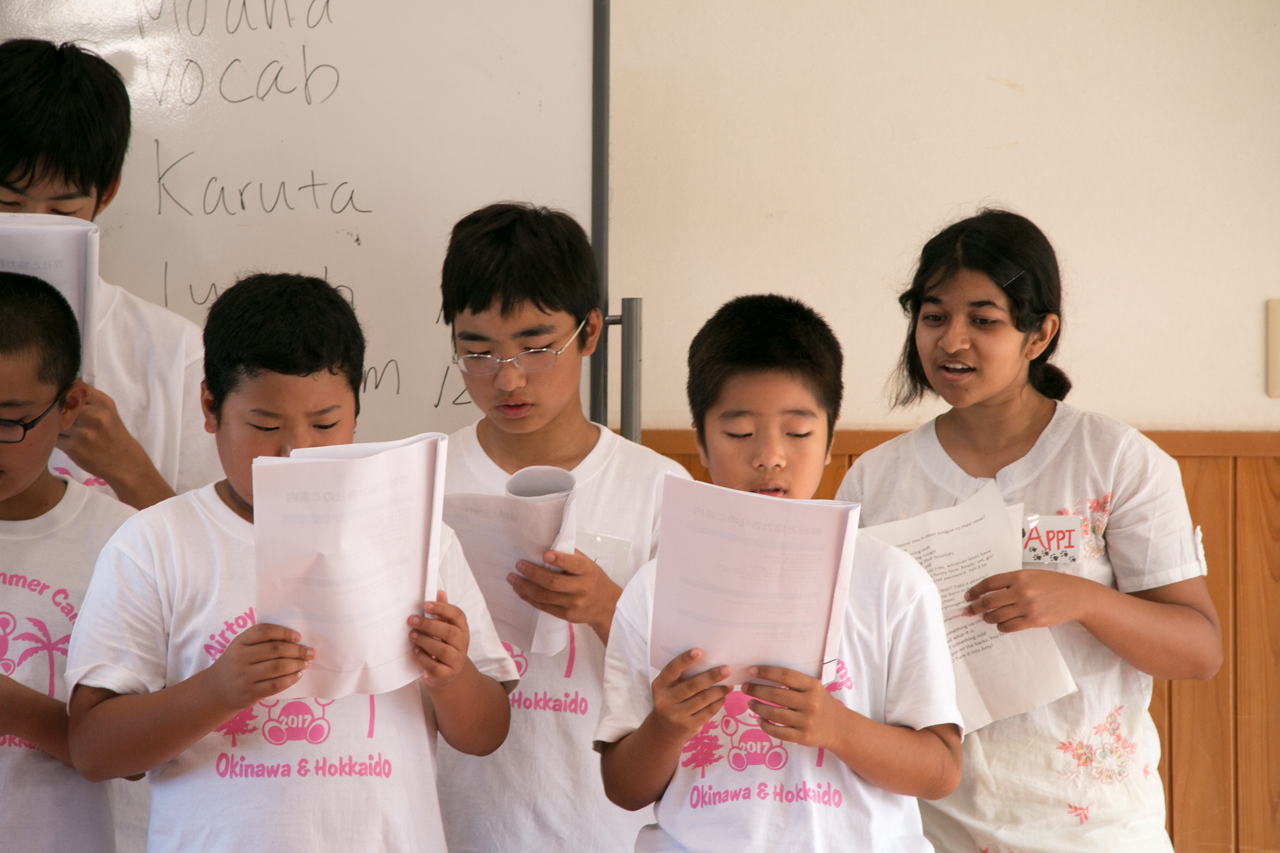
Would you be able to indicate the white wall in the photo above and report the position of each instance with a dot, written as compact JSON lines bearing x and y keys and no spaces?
{"x":811,"y":147}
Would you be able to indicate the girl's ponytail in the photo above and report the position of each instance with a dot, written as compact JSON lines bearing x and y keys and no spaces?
{"x":1048,"y":379}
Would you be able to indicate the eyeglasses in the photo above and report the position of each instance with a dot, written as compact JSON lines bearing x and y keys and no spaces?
{"x":13,"y":432}
{"x":528,"y":361}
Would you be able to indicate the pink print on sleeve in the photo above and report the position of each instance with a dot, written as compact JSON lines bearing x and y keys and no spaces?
{"x":88,"y":481}
{"x":842,"y":682}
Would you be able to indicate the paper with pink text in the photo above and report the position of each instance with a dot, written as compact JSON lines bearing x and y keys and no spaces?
{"x":997,"y":675}
{"x":347,"y":541}
{"x":536,"y":515}
{"x":751,"y":580}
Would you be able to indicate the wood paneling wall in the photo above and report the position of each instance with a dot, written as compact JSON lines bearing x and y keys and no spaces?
{"x":1221,"y":738}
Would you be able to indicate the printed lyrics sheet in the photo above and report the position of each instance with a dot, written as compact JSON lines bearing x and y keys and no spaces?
{"x":347,"y":541}
{"x":750,"y":580}
{"x":997,"y":675}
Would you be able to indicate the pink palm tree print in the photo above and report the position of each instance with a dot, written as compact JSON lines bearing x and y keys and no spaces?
{"x":43,"y":643}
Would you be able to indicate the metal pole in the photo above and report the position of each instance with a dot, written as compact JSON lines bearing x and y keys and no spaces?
{"x":631,"y":315}
{"x":600,"y":201}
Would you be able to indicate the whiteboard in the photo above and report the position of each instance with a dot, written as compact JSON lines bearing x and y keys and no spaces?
{"x":335,"y":138}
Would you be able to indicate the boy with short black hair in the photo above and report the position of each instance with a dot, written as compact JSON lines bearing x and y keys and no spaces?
{"x":139,"y":436}
{"x":521,"y":294}
{"x":50,"y":533}
{"x":175,"y":676}
{"x":764,"y":386}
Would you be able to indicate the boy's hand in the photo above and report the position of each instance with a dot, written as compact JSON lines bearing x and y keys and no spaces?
{"x":440,"y":644}
{"x":258,"y":663}
{"x":1028,"y":598}
{"x":805,"y":714}
{"x":681,"y":707}
{"x":99,"y":442}
{"x":582,"y":594}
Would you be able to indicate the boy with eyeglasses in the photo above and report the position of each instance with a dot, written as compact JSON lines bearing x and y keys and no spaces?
{"x":51,"y":531}
{"x":520,"y":292}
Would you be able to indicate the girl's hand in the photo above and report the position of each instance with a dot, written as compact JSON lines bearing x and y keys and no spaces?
{"x":681,"y":707}
{"x":580,"y":592}
{"x":440,"y":644}
{"x":1029,"y":598}
{"x":800,"y":711}
{"x":258,"y":663}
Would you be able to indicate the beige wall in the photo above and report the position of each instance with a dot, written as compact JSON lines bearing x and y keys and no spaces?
{"x":810,"y":148}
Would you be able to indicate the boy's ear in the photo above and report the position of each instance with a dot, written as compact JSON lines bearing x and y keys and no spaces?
{"x":702,"y":449}
{"x":206,"y":406}
{"x":72,"y":403}
{"x":107,"y":195}
{"x":595,"y":323}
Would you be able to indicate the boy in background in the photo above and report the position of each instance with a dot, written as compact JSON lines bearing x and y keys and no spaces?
{"x":175,"y":676}
{"x":51,"y":530}
{"x":764,"y":388}
{"x":139,"y":435}
{"x":520,"y":290}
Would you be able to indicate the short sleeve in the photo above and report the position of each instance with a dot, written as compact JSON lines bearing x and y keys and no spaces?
{"x":920,"y":688}
{"x":198,"y":463}
{"x":485,"y":649}
{"x":121,"y":637}
{"x":1149,"y":536}
{"x":628,"y":695}
{"x":851,"y":486}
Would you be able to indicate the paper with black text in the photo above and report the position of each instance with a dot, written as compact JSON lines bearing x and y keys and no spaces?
{"x":347,"y":541}
{"x":63,"y":251}
{"x":536,"y":515}
{"x":751,"y":579}
{"x":997,"y":675}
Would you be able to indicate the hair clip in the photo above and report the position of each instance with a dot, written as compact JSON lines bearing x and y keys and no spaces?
{"x":1012,"y":280}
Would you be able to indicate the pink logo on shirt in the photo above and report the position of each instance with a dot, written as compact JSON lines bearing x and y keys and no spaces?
{"x":43,"y":643}
{"x":517,"y":657}
{"x":7,"y":625}
{"x":91,"y":481}
{"x":296,"y":721}
{"x":752,"y":747}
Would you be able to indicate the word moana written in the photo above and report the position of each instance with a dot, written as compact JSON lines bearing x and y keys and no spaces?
{"x":704,"y":796}
{"x":232,"y":766}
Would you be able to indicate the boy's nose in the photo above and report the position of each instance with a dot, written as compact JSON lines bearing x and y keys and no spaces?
{"x":769,"y":452}
{"x":509,"y":377}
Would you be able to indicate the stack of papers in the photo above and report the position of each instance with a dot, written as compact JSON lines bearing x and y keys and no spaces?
{"x":348,"y":547}
{"x":61,"y":250}
{"x":751,"y":580}
{"x":535,"y":515}
{"x":997,"y":675}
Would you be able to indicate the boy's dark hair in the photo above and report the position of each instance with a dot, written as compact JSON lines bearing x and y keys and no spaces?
{"x":35,"y":318}
{"x":291,"y":324}
{"x":64,"y":114}
{"x":1011,"y":251}
{"x":519,"y":253}
{"x":756,"y":334}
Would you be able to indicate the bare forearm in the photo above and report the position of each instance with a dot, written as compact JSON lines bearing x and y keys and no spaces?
{"x":472,"y":712}
{"x":901,"y":760}
{"x":113,"y":735}
{"x":139,"y":486}
{"x":1162,"y":639}
{"x":638,"y":768}
{"x":38,"y":719}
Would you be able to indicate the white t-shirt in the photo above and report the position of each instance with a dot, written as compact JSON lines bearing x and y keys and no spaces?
{"x":739,"y":789}
{"x":170,"y":591}
{"x":44,"y":573}
{"x":1078,"y":774}
{"x":546,"y":777}
{"x":150,"y":361}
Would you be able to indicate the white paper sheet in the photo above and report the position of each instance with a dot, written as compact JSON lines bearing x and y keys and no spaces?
{"x":348,"y":547}
{"x":751,"y":580}
{"x":536,"y":515}
{"x":63,"y":251}
{"x":997,"y":675}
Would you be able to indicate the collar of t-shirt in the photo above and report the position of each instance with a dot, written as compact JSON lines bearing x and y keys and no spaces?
{"x":210,"y":504}
{"x":495,"y":479}
{"x":62,"y":513}
{"x":1013,"y":477}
